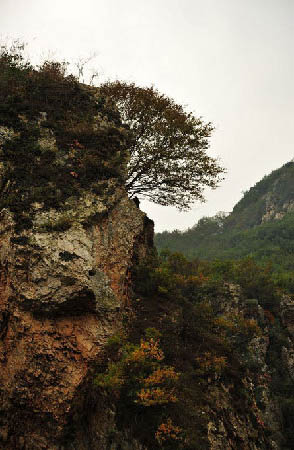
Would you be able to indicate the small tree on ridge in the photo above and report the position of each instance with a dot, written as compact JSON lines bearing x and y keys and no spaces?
{"x":168,"y":160}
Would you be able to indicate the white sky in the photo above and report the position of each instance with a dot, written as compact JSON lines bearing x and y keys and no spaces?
{"x":229,"y":61}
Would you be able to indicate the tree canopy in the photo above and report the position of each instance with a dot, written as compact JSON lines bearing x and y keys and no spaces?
{"x":168,"y":164}
{"x":168,"y":160}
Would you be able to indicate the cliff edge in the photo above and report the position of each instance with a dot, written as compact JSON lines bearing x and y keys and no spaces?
{"x":69,"y":236}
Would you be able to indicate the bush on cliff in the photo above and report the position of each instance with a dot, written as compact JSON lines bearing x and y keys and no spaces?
{"x":164,"y":400}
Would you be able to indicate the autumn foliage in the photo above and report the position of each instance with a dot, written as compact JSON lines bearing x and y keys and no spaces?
{"x":167,"y":431}
{"x":142,"y":366}
{"x":169,"y":164}
{"x":140,"y":371}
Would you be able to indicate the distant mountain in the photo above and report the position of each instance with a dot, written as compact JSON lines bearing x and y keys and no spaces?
{"x":261,"y":225}
{"x":271,"y":198}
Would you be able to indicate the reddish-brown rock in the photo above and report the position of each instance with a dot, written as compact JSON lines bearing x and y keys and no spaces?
{"x":62,"y":295}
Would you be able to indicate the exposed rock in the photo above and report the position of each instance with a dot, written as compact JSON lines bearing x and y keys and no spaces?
{"x":274,"y":210}
{"x":64,"y":290}
{"x":61,"y":298}
{"x":287,"y":314}
{"x":231,"y":428}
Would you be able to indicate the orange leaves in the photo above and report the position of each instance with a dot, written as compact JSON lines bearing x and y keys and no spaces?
{"x":168,"y":431}
{"x":237,"y":324}
{"x":150,"y":355}
{"x":249,"y":327}
{"x":224,"y":323}
{"x":148,"y":349}
{"x":150,"y":395}
{"x":191,"y":280}
{"x":161,"y":375}
{"x":141,"y":366}
{"x":208,"y":363}
{"x":155,"y":396}
{"x":138,"y":377}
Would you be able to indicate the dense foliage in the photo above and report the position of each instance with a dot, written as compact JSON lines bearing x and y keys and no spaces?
{"x":209,"y":239}
{"x":242,"y":233}
{"x":166,"y":373}
{"x":169,"y":163}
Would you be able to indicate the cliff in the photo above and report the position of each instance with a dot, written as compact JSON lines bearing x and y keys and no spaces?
{"x":62,"y":295}
{"x":69,"y":237}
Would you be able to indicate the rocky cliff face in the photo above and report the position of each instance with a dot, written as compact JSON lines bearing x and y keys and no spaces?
{"x":268,"y":381}
{"x":63,"y":293}
{"x":69,"y":236}
{"x":260,"y":426}
{"x":251,"y":406}
{"x":275,"y":211}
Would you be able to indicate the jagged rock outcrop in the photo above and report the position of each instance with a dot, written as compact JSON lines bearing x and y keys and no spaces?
{"x":261,"y":426}
{"x":62,"y":295}
{"x":69,"y":237}
{"x":275,"y":211}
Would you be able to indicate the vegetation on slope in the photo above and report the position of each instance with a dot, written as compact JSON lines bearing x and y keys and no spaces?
{"x":270,"y":242}
{"x":167,"y":373}
{"x":275,"y":189}
{"x":242,"y":233}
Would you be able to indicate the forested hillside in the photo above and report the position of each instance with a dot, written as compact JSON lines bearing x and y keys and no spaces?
{"x":261,"y":225}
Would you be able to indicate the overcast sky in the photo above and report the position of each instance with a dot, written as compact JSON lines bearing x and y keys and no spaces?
{"x":229,"y":61}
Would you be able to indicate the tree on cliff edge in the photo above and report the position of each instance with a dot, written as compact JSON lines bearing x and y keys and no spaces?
{"x":168,"y":160}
